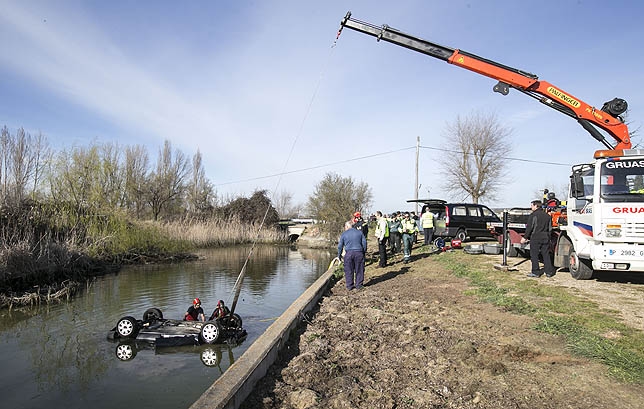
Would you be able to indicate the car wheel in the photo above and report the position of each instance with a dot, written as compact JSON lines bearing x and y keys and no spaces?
{"x":210,"y":332}
{"x":461,"y":234}
{"x":231,"y":321}
{"x":211,"y":356}
{"x":125,"y":352}
{"x":127,"y":327}
{"x":152,"y":314}
{"x":579,"y":268}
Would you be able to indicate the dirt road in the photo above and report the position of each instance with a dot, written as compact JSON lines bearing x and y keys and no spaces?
{"x":415,"y":338}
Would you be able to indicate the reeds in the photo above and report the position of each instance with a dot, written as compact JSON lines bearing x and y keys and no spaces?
{"x":220,"y":233}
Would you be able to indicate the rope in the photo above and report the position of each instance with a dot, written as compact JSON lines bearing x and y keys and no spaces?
{"x":242,"y":273}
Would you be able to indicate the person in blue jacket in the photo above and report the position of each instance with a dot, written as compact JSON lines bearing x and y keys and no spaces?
{"x":353,"y":242}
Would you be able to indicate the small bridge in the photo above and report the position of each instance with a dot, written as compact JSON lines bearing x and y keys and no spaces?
{"x":295,"y":227}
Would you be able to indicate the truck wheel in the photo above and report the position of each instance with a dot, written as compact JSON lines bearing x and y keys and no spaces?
{"x":210,"y":332}
{"x":461,"y":234}
{"x":510,"y":249}
{"x":579,"y":268}
{"x":152,"y":314}
{"x":127,"y":327}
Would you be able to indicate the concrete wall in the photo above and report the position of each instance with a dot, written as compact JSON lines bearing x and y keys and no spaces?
{"x":230,"y":389}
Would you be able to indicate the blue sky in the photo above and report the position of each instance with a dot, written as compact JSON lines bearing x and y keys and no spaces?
{"x":248,"y":82}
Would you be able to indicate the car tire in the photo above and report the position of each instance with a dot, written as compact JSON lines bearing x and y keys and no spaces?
{"x":579,"y":268}
{"x":461,"y":234}
{"x":125,"y":352}
{"x":210,"y":332}
{"x":211,"y":356}
{"x":127,"y":327}
{"x":231,"y":321}
{"x":152,"y":314}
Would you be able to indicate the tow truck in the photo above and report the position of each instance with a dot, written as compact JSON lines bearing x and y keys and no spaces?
{"x":601,"y":227}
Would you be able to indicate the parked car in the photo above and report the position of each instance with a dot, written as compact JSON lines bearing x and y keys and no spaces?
{"x":460,"y":220}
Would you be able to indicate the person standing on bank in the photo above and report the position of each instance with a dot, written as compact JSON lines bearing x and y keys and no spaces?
{"x":394,"y":233}
{"x":355,"y":245}
{"x":427,"y":223}
{"x":408,"y":228}
{"x":382,"y":234}
{"x":360,"y":224}
{"x":537,"y":232}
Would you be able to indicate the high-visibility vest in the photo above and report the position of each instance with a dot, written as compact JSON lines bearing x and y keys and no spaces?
{"x":427,"y":220}
{"x":409,"y":226}
{"x":382,"y":226}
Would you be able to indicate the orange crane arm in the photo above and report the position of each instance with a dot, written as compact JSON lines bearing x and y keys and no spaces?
{"x":590,"y":118}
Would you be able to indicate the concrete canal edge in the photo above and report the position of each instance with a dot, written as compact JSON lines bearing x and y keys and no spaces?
{"x":230,"y":389}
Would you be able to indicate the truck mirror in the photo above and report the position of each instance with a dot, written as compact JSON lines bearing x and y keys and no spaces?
{"x":576,"y":186}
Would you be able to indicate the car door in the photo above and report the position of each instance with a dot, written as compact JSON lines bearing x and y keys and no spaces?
{"x":489,"y":217}
{"x":474,"y":221}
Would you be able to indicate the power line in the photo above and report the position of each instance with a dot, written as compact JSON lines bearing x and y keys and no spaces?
{"x":314,"y":167}
{"x":503,"y":157}
{"x":376,"y":155}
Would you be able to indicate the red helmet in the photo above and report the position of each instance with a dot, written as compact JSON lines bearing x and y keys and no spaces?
{"x":196,"y":301}
{"x":357,"y":214}
{"x":220,"y":303}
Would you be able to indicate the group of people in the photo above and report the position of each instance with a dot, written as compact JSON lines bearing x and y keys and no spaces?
{"x":195,"y":311}
{"x":399,"y":228}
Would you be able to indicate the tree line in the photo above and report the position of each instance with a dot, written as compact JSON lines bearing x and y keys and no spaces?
{"x":108,"y":177}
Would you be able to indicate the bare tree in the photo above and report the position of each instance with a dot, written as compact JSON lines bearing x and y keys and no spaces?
{"x":335,"y":199}
{"x":284,"y":205}
{"x":167,"y":183}
{"x":136,"y":169}
{"x":200,"y":192}
{"x":111,"y":177}
{"x":479,"y":143}
{"x":633,"y":132}
{"x":73,"y":176}
{"x":24,"y":161}
{"x":5,"y":138}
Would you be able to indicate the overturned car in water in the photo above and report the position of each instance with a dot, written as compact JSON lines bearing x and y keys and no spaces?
{"x":154,"y":329}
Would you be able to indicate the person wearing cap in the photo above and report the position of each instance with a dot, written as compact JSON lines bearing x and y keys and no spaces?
{"x":354,"y":244}
{"x":360,"y":224}
{"x":195,"y":312}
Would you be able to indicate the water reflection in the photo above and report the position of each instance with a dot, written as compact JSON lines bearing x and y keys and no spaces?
{"x":209,"y":355}
{"x":58,"y":355}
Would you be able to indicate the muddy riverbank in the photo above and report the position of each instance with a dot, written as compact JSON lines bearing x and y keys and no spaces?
{"x":416,"y":337}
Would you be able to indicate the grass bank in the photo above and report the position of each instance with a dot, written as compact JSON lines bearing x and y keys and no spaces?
{"x":587,"y":330}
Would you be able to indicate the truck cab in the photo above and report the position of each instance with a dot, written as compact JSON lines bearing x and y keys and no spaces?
{"x":605,"y":212}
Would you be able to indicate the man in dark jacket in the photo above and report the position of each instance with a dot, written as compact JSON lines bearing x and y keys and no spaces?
{"x":355,"y":245}
{"x":537,"y":232}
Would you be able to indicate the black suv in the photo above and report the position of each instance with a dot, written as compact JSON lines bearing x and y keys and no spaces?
{"x":460,"y":220}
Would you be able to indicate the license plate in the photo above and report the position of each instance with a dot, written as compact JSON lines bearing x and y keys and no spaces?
{"x":625,"y":253}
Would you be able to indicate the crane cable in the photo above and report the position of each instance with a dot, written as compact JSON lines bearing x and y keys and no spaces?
{"x":242,"y":273}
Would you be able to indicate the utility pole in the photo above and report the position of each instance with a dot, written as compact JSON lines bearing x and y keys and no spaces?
{"x":416,"y":186}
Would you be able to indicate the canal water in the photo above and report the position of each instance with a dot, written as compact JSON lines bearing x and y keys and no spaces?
{"x":58,"y":356}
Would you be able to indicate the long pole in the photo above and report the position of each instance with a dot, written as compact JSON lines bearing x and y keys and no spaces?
{"x":416,"y":187}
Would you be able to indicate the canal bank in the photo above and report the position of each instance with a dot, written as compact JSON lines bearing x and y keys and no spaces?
{"x":234,"y":386}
